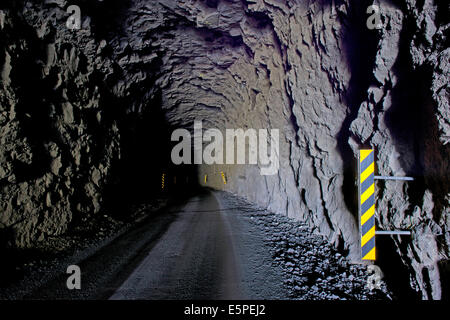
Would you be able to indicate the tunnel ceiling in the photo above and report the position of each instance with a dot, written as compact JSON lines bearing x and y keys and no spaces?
{"x":76,"y":107}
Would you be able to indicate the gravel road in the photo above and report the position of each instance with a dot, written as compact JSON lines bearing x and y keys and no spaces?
{"x":213,"y":246}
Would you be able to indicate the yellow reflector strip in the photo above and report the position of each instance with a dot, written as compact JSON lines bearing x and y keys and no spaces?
{"x":369,"y":235}
{"x":366,"y":216}
{"x":370,"y":190}
{"x":370,"y":255}
{"x":367,"y":172}
{"x":363,"y":154}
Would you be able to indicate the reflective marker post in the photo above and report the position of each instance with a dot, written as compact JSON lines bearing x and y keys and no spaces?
{"x":367,"y":203}
{"x":366,"y":200}
{"x":223,"y":177}
{"x":163,"y":177}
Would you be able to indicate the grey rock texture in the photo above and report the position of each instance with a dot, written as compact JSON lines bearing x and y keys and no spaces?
{"x":405,"y":117}
{"x":56,"y":148}
{"x":309,"y":68}
{"x":312,"y":269}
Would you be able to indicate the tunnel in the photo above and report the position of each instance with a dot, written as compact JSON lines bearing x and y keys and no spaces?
{"x":125,"y":115}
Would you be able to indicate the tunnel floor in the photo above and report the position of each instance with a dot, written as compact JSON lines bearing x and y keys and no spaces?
{"x":212,"y":246}
{"x":200,"y":257}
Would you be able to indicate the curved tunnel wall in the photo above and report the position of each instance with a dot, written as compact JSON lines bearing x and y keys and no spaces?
{"x":95,"y":98}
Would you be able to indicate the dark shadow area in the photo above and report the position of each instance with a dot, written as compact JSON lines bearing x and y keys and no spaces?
{"x":117,"y":259}
{"x":415,"y":130}
{"x":33,"y":107}
{"x":360,"y":47}
{"x":396,"y":274}
{"x":405,"y":118}
{"x":106,"y":16}
{"x":10,"y":257}
{"x":444,"y":271}
{"x":145,"y":170}
{"x":135,"y":174}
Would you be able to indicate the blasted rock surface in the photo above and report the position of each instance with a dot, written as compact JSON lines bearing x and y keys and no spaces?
{"x":309,"y":68}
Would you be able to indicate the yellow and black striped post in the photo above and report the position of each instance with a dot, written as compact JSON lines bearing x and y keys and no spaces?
{"x":163,"y":181}
{"x":367,"y":203}
{"x":224,"y":179}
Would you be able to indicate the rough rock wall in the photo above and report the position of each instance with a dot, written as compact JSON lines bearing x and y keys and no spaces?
{"x":406,"y":117}
{"x":309,"y":68}
{"x":56,"y":143}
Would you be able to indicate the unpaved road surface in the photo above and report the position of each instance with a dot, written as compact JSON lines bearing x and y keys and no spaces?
{"x":195,"y":250}
{"x":212,"y":246}
{"x":204,"y":255}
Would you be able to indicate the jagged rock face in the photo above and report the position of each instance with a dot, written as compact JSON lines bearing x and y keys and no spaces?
{"x":56,"y":146}
{"x":405,"y":116}
{"x":311,"y":69}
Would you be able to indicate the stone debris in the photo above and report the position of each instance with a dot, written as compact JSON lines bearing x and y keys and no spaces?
{"x":313,"y":269}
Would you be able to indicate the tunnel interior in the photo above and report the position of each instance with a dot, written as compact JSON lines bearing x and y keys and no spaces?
{"x":88,"y":130}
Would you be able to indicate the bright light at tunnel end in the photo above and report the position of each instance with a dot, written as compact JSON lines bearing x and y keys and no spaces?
{"x":209,"y":147}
